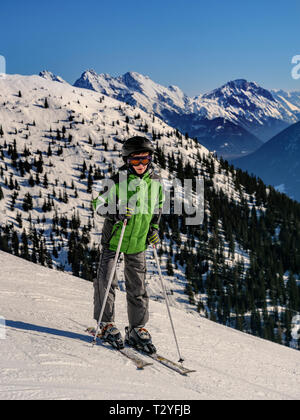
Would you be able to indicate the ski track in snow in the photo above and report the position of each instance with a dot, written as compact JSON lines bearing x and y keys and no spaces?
{"x":47,"y":355}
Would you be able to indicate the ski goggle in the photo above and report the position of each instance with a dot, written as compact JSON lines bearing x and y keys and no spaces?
{"x":136,"y":161}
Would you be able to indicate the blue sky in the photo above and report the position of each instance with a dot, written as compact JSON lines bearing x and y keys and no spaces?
{"x":194,"y":44}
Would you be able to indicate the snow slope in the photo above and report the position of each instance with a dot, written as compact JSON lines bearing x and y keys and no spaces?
{"x":105,"y":123}
{"x":47,"y":355}
{"x":104,"y":120}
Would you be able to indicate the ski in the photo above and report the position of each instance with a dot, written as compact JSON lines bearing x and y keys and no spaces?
{"x":177,"y":367}
{"x":130,"y":353}
{"x":127,"y":352}
{"x":171,"y":365}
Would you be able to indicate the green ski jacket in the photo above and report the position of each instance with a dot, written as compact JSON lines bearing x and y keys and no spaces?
{"x":144,"y":194}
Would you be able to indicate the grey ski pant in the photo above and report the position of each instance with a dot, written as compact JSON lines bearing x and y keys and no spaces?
{"x":137,"y":297}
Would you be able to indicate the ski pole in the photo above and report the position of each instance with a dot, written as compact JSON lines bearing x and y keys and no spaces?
{"x":112,"y":273}
{"x":167,"y":303}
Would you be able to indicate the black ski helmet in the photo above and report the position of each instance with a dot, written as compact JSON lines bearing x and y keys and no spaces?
{"x":136,"y":144}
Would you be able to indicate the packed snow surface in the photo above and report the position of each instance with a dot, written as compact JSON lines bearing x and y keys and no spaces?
{"x":45,"y":353}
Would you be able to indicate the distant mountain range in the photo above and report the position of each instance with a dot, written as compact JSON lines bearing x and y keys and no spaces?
{"x":277,"y":162}
{"x":233,"y":120}
{"x":254,"y":128}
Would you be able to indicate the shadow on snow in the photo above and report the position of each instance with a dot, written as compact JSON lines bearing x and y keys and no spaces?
{"x":19,"y":325}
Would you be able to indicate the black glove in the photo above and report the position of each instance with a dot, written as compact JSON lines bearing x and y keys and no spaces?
{"x":153,"y":237}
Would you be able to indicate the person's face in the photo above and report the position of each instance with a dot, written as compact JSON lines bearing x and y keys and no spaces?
{"x":140,"y":169}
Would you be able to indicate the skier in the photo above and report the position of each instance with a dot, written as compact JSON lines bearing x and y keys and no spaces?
{"x":136,"y":195}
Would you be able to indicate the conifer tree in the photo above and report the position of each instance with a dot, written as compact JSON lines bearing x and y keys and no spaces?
{"x":24,"y":246}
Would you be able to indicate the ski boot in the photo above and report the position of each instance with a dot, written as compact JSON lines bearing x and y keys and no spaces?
{"x":111,"y":334}
{"x":140,"y":339}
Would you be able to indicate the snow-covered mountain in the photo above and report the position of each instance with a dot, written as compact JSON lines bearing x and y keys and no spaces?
{"x":250,"y":106}
{"x":77,"y":127}
{"x":290,"y":100}
{"x":57,"y":141}
{"x":250,"y":111}
{"x":277,"y":162}
{"x":45,"y":353}
{"x":48,"y":75}
{"x":136,"y":90}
